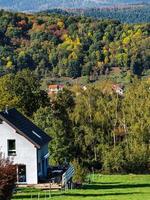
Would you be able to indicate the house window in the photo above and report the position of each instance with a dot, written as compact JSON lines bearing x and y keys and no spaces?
{"x":11,"y":148}
{"x":21,"y":173}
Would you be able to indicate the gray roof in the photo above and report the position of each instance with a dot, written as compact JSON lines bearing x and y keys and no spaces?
{"x":25,"y":127}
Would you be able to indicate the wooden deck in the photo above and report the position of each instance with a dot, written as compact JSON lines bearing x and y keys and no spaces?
{"x":43,"y":186}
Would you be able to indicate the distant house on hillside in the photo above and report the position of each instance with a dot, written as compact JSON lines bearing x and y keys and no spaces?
{"x":120,"y":133}
{"x":118,"y":89}
{"x":26,"y":144}
{"x":54,"y":89}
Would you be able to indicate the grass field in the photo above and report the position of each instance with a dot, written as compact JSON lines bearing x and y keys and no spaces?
{"x":102,"y":187}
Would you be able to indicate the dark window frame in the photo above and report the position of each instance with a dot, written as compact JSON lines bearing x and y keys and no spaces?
{"x":11,"y":151}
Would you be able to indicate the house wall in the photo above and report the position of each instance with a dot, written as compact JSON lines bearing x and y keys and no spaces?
{"x":43,"y":161}
{"x":26,"y":152}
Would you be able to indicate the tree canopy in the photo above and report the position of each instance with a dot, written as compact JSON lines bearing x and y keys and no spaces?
{"x":100,"y":129}
{"x":57,"y":45}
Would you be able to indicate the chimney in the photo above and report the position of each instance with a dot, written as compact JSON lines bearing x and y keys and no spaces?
{"x":6,"y":109}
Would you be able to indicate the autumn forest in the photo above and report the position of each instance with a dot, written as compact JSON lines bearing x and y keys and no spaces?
{"x":92,"y":127}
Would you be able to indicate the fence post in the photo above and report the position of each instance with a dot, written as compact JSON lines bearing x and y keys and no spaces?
{"x":38,"y":196}
{"x":50,"y":191}
{"x":45,"y":196}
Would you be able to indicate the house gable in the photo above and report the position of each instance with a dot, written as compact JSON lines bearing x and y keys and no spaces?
{"x":25,"y":127}
{"x":25,"y":143}
{"x":25,"y":151}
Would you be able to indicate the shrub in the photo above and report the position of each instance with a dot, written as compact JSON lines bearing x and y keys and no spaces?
{"x":80,"y":173}
{"x":113,"y":159}
{"x":7,"y":178}
{"x":137,"y":158}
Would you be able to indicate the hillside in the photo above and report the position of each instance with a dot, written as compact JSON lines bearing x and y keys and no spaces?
{"x":100,"y":126}
{"x":127,"y":14}
{"x":37,"y":5}
{"x":60,"y":46}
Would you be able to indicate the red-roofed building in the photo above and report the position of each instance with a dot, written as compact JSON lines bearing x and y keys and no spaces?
{"x":118,"y":89}
{"x":54,"y":89}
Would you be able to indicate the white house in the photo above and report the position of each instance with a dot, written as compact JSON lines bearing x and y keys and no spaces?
{"x":26,"y":144}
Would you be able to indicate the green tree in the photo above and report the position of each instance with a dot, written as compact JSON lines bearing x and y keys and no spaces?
{"x":7,"y":95}
{"x":27,"y":87}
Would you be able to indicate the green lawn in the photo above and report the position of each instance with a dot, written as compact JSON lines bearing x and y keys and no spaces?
{"x":103,"y":187}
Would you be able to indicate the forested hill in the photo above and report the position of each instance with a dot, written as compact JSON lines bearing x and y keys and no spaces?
{"x":92,"y":125}
{"x":126,"y":14}
{"x":38,"y":5}
{"x":58,"y":45}
{"x":130,"y":14}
